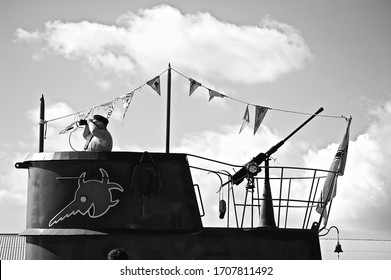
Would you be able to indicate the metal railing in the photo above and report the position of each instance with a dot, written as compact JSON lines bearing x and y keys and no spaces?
{"x":295,"y":193}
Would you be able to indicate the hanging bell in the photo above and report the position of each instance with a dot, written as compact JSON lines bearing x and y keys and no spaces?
{"x":338,"y":248}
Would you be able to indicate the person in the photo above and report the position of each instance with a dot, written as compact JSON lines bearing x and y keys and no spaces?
{"x":98,"y":137}
{"x":117,"y":254}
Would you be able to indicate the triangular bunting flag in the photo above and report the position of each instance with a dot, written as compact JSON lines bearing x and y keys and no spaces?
{"x":213,"y":94}
{"x":126,"y":99}
{"x":109,"y":107}
{"x":106,"y":105}
{"x":260,"y":113}
{"x":155,"y":84}
{"x":70,"y":128}
{"x":246,"y":119}
{"x":193,"y":85}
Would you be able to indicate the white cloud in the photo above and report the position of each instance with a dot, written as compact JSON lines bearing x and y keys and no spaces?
{"x":10,"y":178}
{"x":363,"y":200}
{"x":105,"y":85}
{"x":151,"y":38}
{"x":228,"y":145}
{"x":27,"y":36}
{"x":13,"y":188}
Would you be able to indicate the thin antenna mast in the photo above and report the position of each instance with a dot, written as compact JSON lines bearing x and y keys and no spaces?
{"x":168,"y":109}
{"x":41,"y":124}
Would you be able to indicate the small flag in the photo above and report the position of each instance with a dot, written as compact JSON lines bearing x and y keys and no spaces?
{"x":193,"y":85}
{"x":155,"y":84}
{"x":337,"y":167}
{"x":127,"y":99}
{"x":213,"y":94}
{"x":260,"y":113}
{"x":343,"y":149}
{"x":246,"y":120}
{"x":106,"y":105}
{"x":70,"y":128}
{"x":109,"y":107}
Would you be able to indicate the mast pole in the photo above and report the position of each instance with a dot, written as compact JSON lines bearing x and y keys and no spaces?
{"x":168,"y":109}
{"x":41,"y":124}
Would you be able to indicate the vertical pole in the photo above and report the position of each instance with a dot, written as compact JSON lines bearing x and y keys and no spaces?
{"x":168,"y":109}
{"x":41,"y":124}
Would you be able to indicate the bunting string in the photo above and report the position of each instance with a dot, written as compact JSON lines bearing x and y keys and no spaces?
{"x":254,"y":105}
{"x":154,"y":83}
{"x":125,"y":97}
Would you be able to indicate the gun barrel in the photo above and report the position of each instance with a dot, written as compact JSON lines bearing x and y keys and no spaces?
{"x":238,"y":177}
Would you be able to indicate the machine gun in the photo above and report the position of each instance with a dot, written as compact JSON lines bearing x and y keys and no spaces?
{"x":252,"y":166}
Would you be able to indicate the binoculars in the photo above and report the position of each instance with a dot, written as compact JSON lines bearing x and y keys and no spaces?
{"x":82,"y":122}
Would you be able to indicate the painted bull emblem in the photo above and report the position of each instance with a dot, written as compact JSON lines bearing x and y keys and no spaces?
{"x":93,"y":197}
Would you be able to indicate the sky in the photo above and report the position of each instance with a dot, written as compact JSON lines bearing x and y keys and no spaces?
{"x":291,"y":56}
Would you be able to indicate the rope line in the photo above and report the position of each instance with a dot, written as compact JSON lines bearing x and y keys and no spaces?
{"x":358,"y":239}
{"x":270,"y":108}
{"x":188,"y":78}
{"x":97,"y":106}
{"x":216,"y":161}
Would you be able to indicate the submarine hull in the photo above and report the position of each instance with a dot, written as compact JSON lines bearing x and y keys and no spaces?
{"x":81,"y":205}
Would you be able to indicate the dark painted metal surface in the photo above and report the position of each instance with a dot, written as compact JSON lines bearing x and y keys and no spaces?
{"x":83,"y":204}
{"x":69,"y":190}
{"x":210,"y":243}
{"x":41,"y":125}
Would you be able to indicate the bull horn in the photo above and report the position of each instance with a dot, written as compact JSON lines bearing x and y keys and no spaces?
{"x":105,"y":176}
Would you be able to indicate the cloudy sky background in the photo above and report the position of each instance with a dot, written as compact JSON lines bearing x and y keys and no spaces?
{"x":289,"y":55}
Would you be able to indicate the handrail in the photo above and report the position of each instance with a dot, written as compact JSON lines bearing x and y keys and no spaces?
{"x":297,"y":193}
